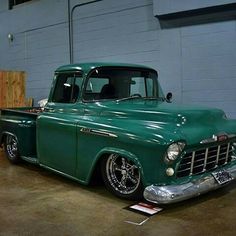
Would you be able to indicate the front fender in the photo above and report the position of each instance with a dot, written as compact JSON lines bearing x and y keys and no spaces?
{"x":111,"y":150}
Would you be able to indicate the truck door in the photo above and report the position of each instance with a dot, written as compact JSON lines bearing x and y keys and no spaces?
{"x":56,"y":128}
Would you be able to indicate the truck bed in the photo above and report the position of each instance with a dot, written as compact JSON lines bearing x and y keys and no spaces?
{"x":25,"y":111}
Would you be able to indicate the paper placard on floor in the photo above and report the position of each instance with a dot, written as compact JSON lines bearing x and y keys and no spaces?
{"x":145,"y":208}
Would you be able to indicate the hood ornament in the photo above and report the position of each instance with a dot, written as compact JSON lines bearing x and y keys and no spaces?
{"x":216,"y":138}
{"x":220,"y":137}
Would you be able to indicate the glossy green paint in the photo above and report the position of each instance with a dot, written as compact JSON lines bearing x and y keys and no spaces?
{"x":23,"y":126}
{"x":144,"y":129}
{"x":70,"y":138}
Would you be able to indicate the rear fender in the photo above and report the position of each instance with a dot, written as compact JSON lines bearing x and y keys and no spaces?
{"x":3,"y":136}
{"x":25,"y":136}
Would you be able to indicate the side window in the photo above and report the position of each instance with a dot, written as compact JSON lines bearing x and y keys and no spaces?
{"x":67,"y":89}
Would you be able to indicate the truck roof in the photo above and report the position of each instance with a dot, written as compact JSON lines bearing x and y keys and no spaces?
{"x":86,"y":67}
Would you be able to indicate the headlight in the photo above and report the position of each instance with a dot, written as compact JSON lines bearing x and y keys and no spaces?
{"x":174,"y":150}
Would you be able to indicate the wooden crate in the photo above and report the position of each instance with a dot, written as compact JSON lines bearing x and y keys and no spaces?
{"x":12,"y":89}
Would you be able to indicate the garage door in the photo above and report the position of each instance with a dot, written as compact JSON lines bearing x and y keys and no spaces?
{"x":116,"y":31}
{"x":209,"y":65}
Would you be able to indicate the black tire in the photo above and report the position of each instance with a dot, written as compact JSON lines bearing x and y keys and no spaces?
{"x":122,"y":177}
{"x":11,"y":149}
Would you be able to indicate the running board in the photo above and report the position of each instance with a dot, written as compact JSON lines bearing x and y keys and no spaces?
{"x":32,"y":160}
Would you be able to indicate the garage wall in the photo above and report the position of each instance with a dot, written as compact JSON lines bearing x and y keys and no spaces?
{"x":209,"y":65}
{"x":121,"y":32}
{"x":162,"y":7}
{"x":40,"y":42}
{"x":196,"y":61}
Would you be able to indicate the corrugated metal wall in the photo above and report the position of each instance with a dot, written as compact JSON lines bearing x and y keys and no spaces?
{"x":209,"y":65}
{"x":127,"y":33}
{"x":196,"y":62}
{"x":40,"y":44}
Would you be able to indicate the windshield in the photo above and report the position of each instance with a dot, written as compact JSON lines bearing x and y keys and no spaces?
{"x":122,"y":83}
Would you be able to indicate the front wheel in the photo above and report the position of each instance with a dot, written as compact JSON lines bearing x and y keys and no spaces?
{"x":11,"y":149}
{"x":122,"y":177}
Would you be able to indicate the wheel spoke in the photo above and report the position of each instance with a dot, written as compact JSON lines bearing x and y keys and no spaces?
{"x":132,"y":179}
{"x":131,"y":168}
{"x":123,"y":163}
{"x":116,"y":167}
{"x":123,"y":181}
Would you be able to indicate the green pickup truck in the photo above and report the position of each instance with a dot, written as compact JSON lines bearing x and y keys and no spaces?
{"x":115,"y":118}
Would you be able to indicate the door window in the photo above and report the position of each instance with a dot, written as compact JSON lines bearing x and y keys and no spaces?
{"x":67,"y":89}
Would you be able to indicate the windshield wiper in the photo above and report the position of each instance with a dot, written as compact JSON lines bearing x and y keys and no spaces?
{"x":129,"y":98}
{"x":139,"y":97}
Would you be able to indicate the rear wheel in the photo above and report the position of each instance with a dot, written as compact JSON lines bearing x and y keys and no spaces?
{"x":11,"y":149}
{"x":122,"y":177}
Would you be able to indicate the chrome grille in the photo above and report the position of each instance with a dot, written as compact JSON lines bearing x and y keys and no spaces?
{"x":206,"y":159}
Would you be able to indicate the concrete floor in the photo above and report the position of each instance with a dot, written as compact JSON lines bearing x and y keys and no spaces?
{"x":34,"y":201}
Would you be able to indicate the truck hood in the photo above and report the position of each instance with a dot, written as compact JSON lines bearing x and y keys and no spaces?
{"x":178,"y":122}
{"x":163,"y":112}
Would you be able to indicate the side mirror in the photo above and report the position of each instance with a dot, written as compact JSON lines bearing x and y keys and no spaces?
{"x":169,"y":97}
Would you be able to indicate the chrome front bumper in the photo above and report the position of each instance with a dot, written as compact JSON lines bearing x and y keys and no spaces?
{"x":176,"y":193}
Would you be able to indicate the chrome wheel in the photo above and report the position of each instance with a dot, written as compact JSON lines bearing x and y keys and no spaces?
{"x":11,"y":148}
{"x":123,"y":175}
{"x":11,"y":145}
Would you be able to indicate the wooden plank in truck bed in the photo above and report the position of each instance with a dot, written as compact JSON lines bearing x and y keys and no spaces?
{"x":12,"y":89}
